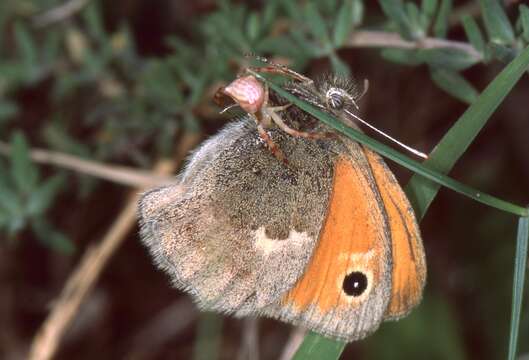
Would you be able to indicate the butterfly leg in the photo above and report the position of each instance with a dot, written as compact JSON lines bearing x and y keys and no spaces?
{"x":276,"y":118}
{"x":270,"y":144}
{"x":274,"y":68}
{"x":270,"y":115}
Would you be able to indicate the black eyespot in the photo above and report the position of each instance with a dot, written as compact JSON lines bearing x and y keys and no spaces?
{"x":355,"y":283}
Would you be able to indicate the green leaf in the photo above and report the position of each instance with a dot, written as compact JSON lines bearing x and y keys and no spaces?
{"x":315,"y":346}
{"x":496,"y":22}
{"x":270,"y":13}
{"x":328,"y":6}
{"x":40,"y":199}
{"x":4,"y":219}
{"x":357,"y":12}
{"x":316,"y":24}
{"x":57,"y":137}
{"x":448,"y":58}
{"x":51,"y":47}
{"x":10,"y":202}
{"x":456,"y":85}
{"x":455,"y":142}
{"x":308,"y":48}
{"x":344,"y":24}
{"x":15,"y":225}
{"x":27,"y":49}
{"x":8,"y":109}
{"x":51,"y":238}
{"x":428,"y":8}
{"x":221,"y":25}
{"x":253,"y":26}
{"x":474,"y":33}
{"x":23,"y":171}
{"x":394,"y":9}
{"x":292,"y":9}
{"x":416,"y":19}
{"x":524,"y":19}
{"x":402,"y":56}
{"x":503,"y":53}
{"x":520,"y":267}
{"x":338,"y":66}
{"x":440,"y":27}
{"x":279,"y":45}
{"x":93,"y":19}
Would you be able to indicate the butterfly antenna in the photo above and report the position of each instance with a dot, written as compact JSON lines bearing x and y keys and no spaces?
{"x":410,"y":149}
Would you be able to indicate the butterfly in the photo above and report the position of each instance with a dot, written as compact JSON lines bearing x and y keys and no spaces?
{"x":320,"y":236}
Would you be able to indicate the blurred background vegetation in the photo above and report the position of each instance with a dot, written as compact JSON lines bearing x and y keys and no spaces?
{"x":120,"y":85}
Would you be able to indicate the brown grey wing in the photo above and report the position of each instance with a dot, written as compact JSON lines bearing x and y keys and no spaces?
{"x":185,"y":241}
{"x":346,"y":287}
{"x":239,"y":229}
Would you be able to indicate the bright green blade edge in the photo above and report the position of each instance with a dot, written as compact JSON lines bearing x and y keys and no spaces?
{"x":520,"y":264}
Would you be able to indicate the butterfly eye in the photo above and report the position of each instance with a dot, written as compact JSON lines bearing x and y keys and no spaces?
{"x":354,"y":283}
{"x":335,"y":98}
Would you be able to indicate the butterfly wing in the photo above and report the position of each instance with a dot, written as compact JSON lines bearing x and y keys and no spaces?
{"x":409,"y":264}
{"x":238,"y":229}
{"x":244,"y":234}
{"x":348,"y":287}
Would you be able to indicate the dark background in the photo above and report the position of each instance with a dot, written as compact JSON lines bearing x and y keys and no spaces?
{"x":469,"y":247}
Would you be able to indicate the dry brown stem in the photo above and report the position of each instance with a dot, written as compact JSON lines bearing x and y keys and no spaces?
{"x":114,"y":173}
{"x":59,"y":13}
{"x":382,"y":39}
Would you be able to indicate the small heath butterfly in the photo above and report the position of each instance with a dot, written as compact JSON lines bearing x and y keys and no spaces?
{"x":324,"y":238}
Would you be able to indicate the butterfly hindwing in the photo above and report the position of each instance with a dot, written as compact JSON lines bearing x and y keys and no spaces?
{"x":346,"y":286}
{"x":239,"y":227}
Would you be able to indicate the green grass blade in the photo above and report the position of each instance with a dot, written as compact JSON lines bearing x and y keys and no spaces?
{"x":399,"y":158}
{"x":518,"y":283}
{"x":496,"y":22}
{"x":315,"y":346}
{"x":422,"y":191}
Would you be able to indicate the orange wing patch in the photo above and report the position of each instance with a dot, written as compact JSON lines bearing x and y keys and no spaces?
{"x":352,"y":239}
{"x":409,"y":266}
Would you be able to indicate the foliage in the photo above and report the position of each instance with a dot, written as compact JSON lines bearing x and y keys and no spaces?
{"x":25,"y":198}
{"x":83,"y":86}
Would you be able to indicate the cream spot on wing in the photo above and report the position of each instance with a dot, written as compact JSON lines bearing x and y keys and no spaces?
{"x":268,"y":245}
